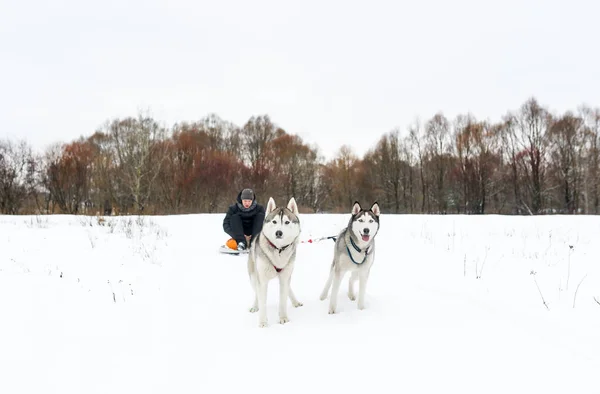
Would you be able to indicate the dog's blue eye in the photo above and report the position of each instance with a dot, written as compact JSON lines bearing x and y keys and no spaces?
{"x":371,"y":221}
{"x":287,"y":222}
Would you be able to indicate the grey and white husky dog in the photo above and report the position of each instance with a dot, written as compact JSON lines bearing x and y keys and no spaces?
{"x":272,"y":255}
{"x":355,"y":252}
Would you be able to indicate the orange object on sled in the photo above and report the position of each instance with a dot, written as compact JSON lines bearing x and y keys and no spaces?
{"x":231,"y":244}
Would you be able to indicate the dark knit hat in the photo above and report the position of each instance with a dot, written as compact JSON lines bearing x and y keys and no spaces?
{"x":247,"y":194}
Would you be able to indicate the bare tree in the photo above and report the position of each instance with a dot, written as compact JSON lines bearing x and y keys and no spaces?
{"x":295,"y":165}
{"x":408,"y":159}
{"x":257,"y":135}
{"x":103,"y":179}
{"x":389,"y":164}
{"x":17,"y":175}
{"x":219,"y":135}
{"x":68,"y":175}
{"x":378,"y":162}
{"x":320,"y":189}
{"x":532,"y":124}
{"x":344,"y":177}
{"x":464,"y":152}
{"x":511,"y":154}
{"x":565,"y":137}
{"x":416,"y":140}
{"x":437,"y":133}
{"x":591,"y":119}
{"x":139,"y":156}
{"x":487,"y":162}
{"x":258,"y":132}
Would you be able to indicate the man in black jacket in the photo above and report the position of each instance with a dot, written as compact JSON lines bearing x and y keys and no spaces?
{"x":244,"y":219}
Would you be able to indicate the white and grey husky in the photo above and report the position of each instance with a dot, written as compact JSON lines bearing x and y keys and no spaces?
{"x":354,"y":251}
{"x":272,"y":254}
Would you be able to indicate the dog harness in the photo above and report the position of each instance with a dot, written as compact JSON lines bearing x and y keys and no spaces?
{"x":359,"y":250}
{"x":280,"y":250}
{"x":275,"y":247}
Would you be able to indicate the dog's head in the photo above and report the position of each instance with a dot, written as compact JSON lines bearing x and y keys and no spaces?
{"x":365,"y":223}
{"x":281,"y":226}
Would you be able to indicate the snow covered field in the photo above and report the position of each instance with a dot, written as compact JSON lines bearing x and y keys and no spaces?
{"x":455,"y":304}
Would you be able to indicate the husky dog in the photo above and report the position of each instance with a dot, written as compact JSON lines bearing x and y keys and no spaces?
{"x":354,"y":251}
{"x":272,"y":254}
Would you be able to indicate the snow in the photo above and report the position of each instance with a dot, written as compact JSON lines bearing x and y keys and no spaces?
{"x":147,"y":305}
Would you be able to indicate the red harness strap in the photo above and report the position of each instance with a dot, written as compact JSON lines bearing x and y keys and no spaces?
{"x":280,"y":250}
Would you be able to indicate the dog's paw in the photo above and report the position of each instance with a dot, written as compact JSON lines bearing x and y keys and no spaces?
{"x":263,"y":324}
{"x":352,"y":296}
{"x":297,"y":304}
{"x":253,"y":310}
{"x":361,"y":306}
{"x":332,"y":311}
{"x":323,"y":297}
{"x":283,"y":320}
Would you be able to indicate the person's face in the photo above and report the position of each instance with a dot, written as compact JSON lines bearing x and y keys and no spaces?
{"x":246,"y":203}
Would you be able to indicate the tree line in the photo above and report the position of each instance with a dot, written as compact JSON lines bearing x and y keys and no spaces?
{"x":531,"y":162}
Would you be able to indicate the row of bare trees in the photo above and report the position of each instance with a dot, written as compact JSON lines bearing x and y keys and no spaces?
{"x":531,"y":162}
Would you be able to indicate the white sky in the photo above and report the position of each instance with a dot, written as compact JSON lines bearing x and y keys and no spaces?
{"x":336,"y":72}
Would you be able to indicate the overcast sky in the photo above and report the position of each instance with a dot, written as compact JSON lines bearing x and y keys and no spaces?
{"x":333,"y":72}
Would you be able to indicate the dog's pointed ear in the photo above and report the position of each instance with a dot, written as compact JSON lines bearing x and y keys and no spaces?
{"x":375,"y":209}
{"x":270,"y":206}
{"x":356,"y":208}
{"x":292,"y":206}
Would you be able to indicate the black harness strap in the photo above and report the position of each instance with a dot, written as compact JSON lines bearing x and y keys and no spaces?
{"x":359,"y":250}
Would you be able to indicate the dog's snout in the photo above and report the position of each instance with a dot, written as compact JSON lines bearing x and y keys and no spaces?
{"x":365,"y":231}
{"x":279,"y":233}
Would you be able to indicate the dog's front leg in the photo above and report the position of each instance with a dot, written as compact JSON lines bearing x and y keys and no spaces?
{"x":362,"y":289}
{"x":254,"y":307}
{"x":284,"y":292}
{"x":262,"y":302}
{"x":353,"y":279}
{"x":327,"y":284}
{"x":337,"y":279}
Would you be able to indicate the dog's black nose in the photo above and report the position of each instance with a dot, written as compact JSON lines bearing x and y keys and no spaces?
{"x":279,"y":234}
{"x":366,"y":231}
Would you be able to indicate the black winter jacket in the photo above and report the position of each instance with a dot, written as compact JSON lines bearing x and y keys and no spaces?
{"x":252,"y":218}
